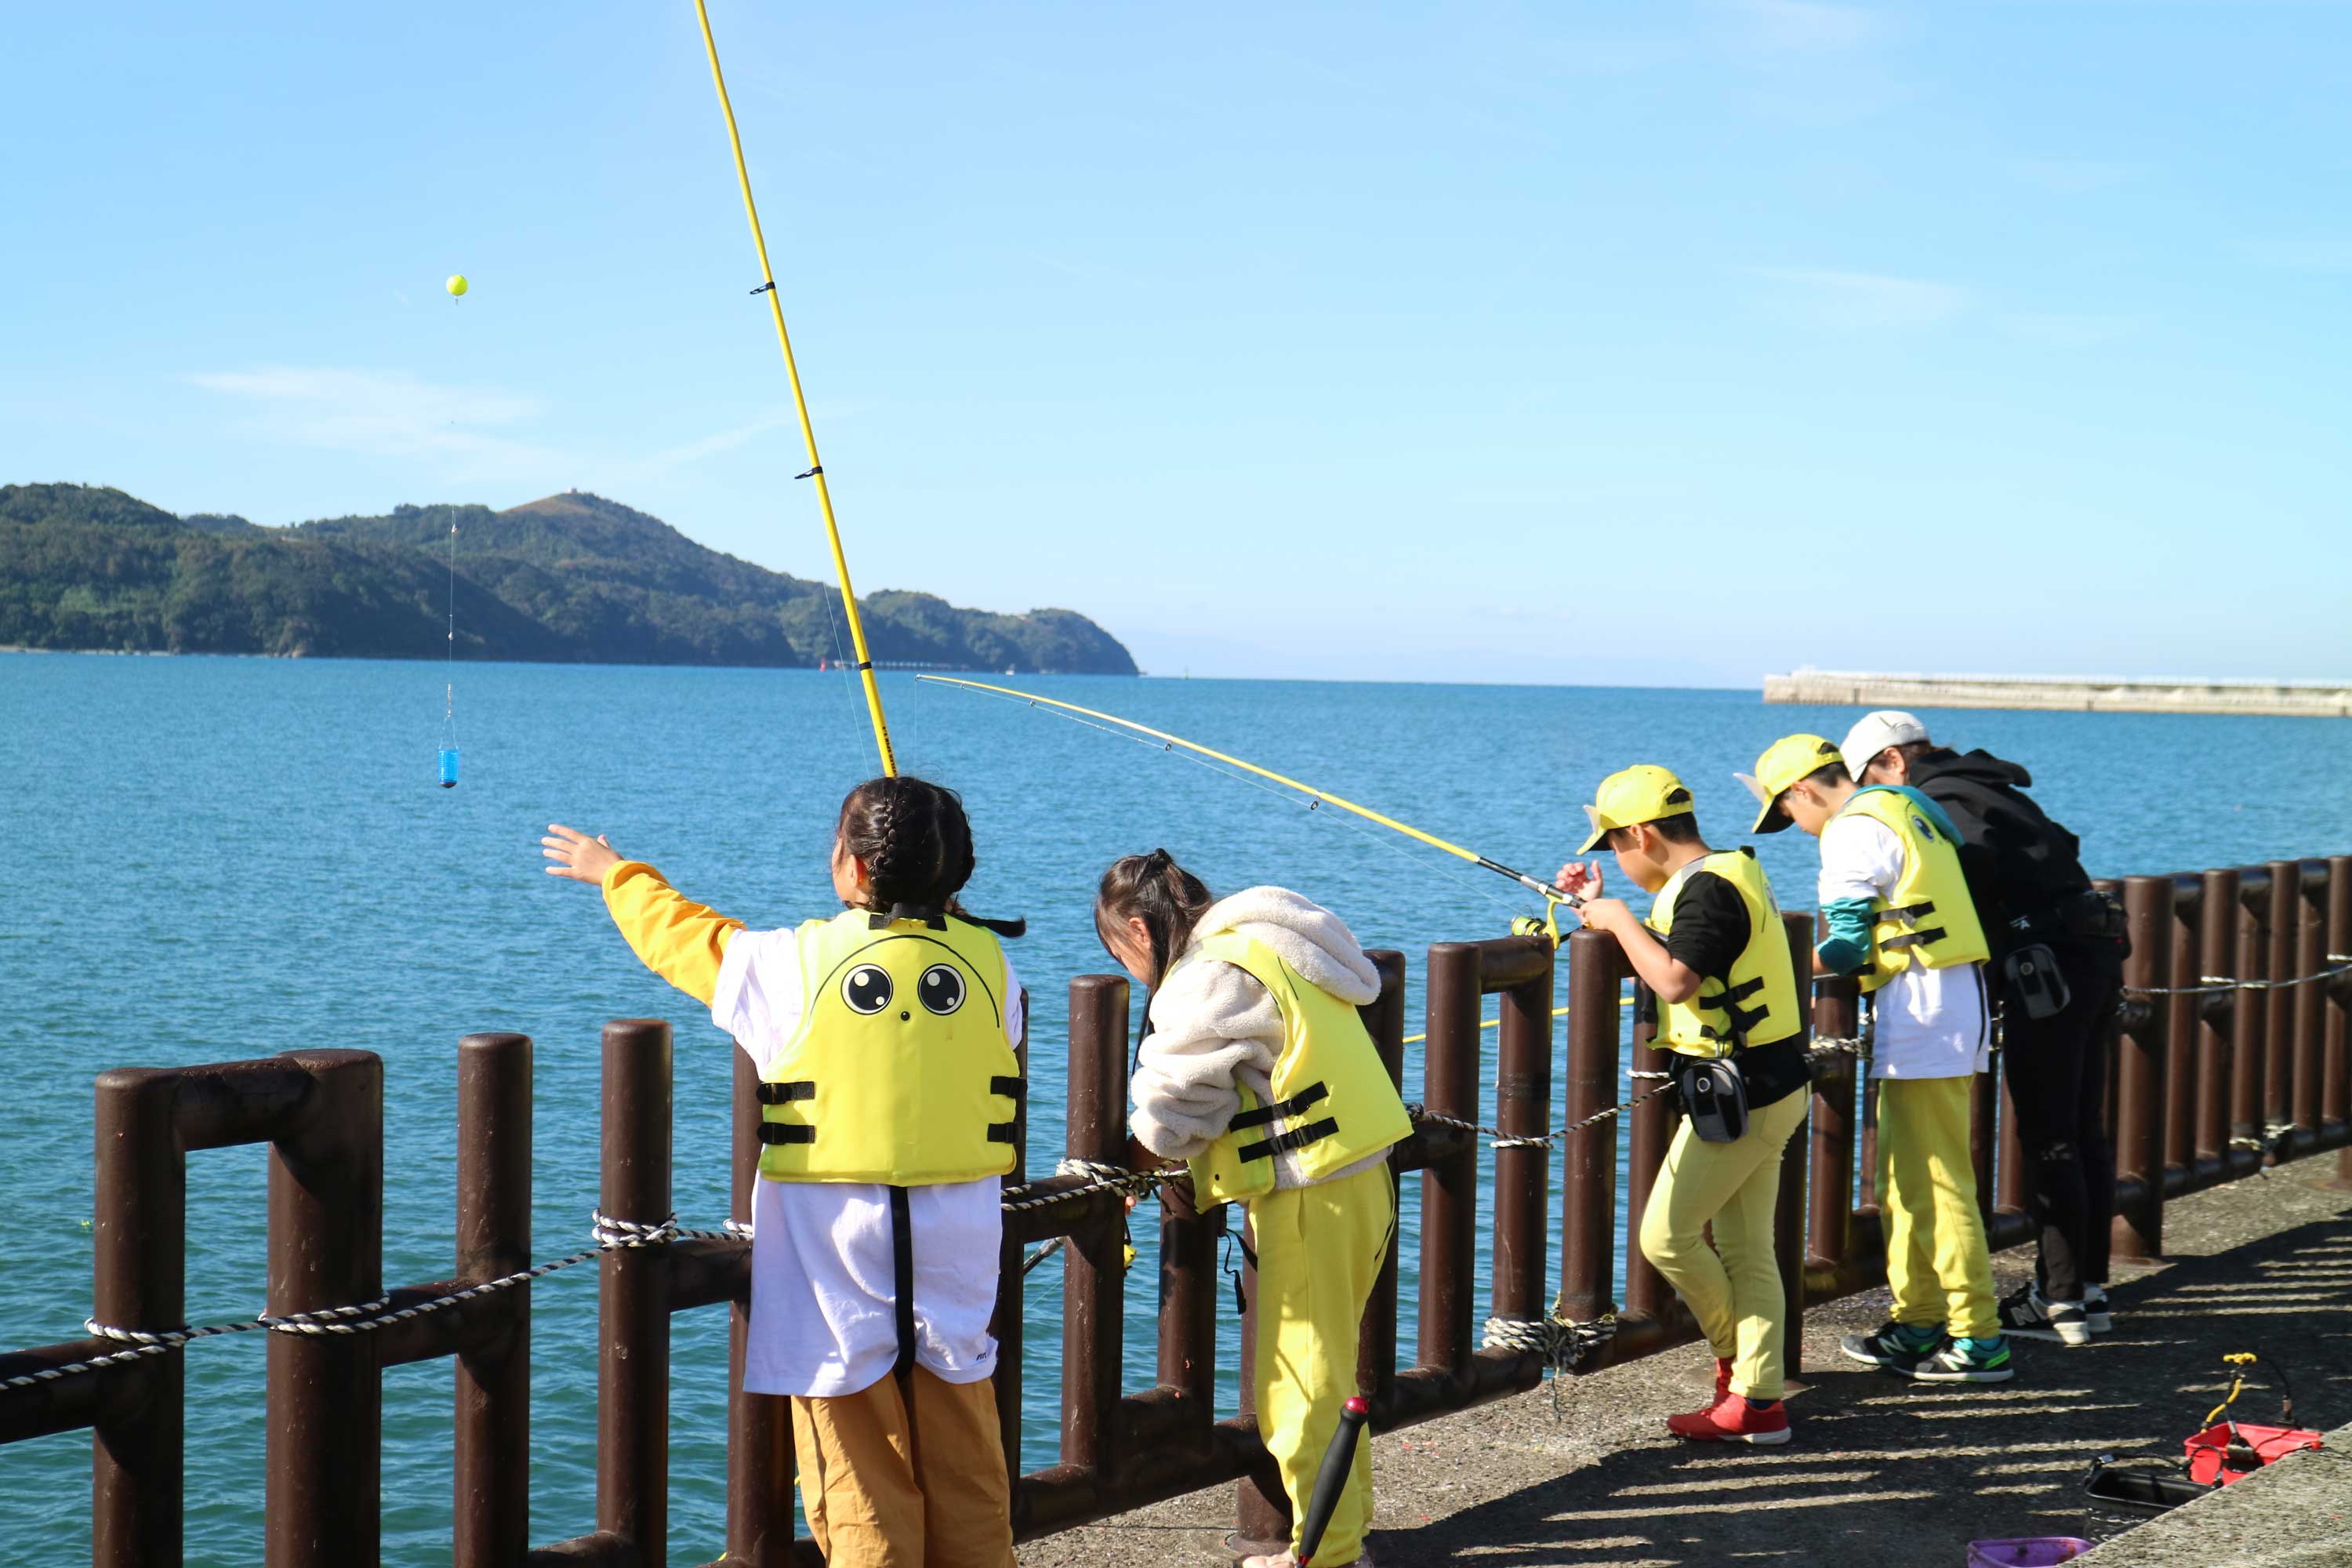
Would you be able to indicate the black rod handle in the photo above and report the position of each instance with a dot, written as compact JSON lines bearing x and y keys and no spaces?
{"x":1332,"y":1478}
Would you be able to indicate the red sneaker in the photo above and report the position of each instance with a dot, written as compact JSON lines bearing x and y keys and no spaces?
{"x":1733,"y":1420}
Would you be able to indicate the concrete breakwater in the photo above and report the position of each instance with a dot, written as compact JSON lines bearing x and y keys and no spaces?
{"x":2072,"y":694}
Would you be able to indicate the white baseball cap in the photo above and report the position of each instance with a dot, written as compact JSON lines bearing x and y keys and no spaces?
{"x":1877,"y":731}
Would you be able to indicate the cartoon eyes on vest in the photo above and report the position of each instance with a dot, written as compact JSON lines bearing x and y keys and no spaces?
{"x":866,"y":989}
{"x":942,"y":989}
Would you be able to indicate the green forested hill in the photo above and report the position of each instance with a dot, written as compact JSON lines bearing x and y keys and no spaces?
{"x":571,"y":577}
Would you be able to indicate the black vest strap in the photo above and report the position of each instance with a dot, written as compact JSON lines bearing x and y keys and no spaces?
{"x":1905,"y":913}
{"x":1017,"y":1089}
{"x":1283,"y":1142}
{"x":786,"y":1093}
{"x":787,"y":1132}
{"x":902,"y":1272}
{"x":1911,"y":938}
{"x":1311,"y":1094}
{"x":1000,"y":1131}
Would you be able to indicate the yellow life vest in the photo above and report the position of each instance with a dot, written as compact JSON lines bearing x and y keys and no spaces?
{"x":901,"y":1071}
{"x":1757,"y":1002}
{"x":1929,"y":914}
{"x":1333,"y":1101}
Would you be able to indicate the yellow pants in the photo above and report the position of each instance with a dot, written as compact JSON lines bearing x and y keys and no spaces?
{"x":1936,"y":1255}
{"x":1733,"y":1287}
{"x":1320,"y":1250}
{"x":882,"y":1492}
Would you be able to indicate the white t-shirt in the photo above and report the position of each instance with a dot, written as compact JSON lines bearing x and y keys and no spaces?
{"x":1925,"y":1022}
{"x":824,"y":1298}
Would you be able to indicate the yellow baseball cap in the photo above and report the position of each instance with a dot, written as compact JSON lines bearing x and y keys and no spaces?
{"x":1639,"y":794}
{"x":1787,"y":759}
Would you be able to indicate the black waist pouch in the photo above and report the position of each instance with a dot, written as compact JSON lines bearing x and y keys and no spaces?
{"x":2035,"y":982}
{"x":1714,"y":1098}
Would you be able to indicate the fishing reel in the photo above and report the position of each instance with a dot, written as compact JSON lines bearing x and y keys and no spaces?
{"x":1547,"y":926}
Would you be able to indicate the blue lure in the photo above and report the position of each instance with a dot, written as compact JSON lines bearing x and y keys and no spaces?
{"x":448,"y":767}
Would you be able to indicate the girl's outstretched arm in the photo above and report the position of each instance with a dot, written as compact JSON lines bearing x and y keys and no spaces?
{"x":678,"y":939}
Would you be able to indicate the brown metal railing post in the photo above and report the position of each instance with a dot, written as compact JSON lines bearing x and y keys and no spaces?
{"x":1522,"y":1175}
{"x":1449,"y":1187}
{"x":2138,"y":1227}
{"x":2336,"y":1090}
{"x":1007,"y":1322}
{"x":2310,"y":1001}
{"x":141,"y":1202}
{"x":2186,"y":901}
{"x":325,"y":1398}
{"x":633,"y":1293}
{"x":2285,"y":905}
{"x":2217,"y":1017}
{"x":1376,"y":1349}
{"x":2249,"y":1011}
{"x":1789,"y":1212}
{"x":1835,"y":1008}
{"x":492,"y":1522}
{"x":759,"y":1425}
{"x":1596,"y":968}
{"x":1094,"y":1279}
{"x":1648,"y":1132}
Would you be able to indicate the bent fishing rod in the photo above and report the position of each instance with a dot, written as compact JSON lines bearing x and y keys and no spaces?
{"x":1553,"y":896}
{"x":800,"y":406}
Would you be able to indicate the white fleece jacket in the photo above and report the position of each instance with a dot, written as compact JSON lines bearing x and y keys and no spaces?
{"x":1214,"y":1025}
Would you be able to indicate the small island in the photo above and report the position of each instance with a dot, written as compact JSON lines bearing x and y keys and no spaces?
{"x":572,"y":578}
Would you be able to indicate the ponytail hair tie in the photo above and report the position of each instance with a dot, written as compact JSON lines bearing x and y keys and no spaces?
{"x":1158,"y":862}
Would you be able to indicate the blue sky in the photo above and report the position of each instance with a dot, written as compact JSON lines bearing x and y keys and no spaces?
{"x":1663,"y":343}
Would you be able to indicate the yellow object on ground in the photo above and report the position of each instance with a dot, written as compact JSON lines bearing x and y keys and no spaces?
{"x":456,"y":285}
{"x":1733,"y":1287}
{"x":1936,"y":1255}
{"x":677,"y":937}
{"x":883,"y":1492}
{"x":1320,"y":1250}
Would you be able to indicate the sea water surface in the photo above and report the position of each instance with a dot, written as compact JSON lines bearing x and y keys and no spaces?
{"x":209,"y":859}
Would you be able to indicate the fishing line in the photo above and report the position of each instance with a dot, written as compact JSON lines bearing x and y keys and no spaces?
{"x":799,"y":403}
{"x":449,"y":691}
{"x":1553,"y":897}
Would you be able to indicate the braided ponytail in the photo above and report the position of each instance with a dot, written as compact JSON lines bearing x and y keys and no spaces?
{"x":1169,"y":901}
{"x":916,"y":843}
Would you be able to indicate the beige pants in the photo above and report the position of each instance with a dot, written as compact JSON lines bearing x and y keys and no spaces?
{"x":882,"y":1492}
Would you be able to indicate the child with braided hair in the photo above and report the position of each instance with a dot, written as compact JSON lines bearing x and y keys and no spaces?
{"x":885,"y":1038}
{"x":1256,"y":1070}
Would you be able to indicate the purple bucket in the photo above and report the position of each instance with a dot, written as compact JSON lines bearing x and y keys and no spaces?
{"x":2027,"y":1552}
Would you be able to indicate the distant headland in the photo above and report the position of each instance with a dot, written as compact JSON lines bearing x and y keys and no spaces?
{"x":572,"y":578}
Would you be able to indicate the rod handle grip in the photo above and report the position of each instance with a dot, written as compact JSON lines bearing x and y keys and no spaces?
{"x":1331,"y":1480}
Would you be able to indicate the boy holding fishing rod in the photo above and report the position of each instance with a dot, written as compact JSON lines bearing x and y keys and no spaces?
{"x":1901,"y":921}
{"x":1715,"y":957}
{"x":885,"y":1038}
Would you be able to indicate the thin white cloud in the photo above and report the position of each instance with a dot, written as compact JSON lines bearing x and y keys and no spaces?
{"x":1806,"y":27}
{"x":694,"y":451}
{"x":2300,"y":255}
{"x":1863,"y":302}
{"x":386,"y":414}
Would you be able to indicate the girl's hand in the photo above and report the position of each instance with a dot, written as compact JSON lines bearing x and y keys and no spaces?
{"x":1578,"y":880}
{"x":577,"y":855}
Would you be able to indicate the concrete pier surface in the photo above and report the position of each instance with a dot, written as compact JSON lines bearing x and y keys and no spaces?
{"x":2072,"y":694}
{"x":1883,"y":1471}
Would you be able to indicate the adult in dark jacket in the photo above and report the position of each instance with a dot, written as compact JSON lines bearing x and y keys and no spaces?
{"x":2026,"y":876}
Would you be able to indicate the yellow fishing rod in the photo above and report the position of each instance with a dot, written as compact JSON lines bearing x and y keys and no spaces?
{"x":1552,"y":896}
{"x":800,"y":404}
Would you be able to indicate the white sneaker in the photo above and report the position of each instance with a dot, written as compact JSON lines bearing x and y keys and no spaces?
{"x":1289,"y":1560}
{"x":2026,"y":1314}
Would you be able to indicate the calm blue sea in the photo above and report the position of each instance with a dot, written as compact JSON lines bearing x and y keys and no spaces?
{"x":208,"y":859}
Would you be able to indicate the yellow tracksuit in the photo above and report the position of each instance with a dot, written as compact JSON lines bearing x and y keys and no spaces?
{"x":1733,"y":1288}
{"x":1319,"y":1250}
{"x":1936,"y":1255}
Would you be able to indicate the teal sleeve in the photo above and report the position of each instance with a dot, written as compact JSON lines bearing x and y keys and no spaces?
{"x":1846,"y":949}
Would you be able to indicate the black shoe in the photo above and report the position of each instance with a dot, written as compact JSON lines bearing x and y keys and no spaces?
{"x":1897,"y":1346}
{"x":2094,"y":1310}
{"x":2024,"y":1314}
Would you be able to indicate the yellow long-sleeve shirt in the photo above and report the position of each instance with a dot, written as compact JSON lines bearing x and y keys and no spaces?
{"x":678,"y":939}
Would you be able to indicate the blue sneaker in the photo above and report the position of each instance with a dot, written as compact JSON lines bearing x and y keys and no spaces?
{"x":1966,"y":1361}
{"x":1893,"y":1345}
